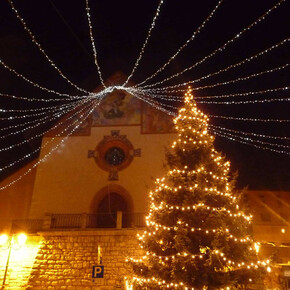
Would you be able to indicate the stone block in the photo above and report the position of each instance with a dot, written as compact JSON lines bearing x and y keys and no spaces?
{"x":104,"y":239}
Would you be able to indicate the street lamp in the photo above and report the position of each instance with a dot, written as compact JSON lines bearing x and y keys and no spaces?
{"x":15,"y":242}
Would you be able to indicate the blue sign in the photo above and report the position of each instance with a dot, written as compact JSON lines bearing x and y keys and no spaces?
{"x":98,"y":272}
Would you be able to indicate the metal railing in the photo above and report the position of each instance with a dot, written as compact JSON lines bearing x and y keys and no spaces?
{"x":66,"y":221}
{"x":81,"y":221}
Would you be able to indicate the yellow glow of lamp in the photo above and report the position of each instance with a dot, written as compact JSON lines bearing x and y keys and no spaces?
{"x":21,"y":239}
{"x":3,"y":239}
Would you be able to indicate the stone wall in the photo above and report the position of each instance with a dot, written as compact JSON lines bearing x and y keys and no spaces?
{"x":20,"y":263}
{"x":65,"y":259}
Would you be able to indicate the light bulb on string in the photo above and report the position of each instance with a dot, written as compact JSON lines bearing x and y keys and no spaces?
{"x":221,"y":48}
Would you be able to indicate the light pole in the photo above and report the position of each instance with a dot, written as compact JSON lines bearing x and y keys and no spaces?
{"x":15,"y":242}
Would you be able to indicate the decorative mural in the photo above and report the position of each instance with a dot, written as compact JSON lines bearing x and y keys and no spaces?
{"x":117,"y":108}
{"x":155,"y":121}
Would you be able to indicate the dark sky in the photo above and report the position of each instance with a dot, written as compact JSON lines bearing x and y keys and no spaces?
{"x":120,"y":27}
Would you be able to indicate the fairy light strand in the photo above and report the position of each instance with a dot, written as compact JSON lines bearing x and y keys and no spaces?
{"x":31,"y":99}
{"x":80,"y":121}
{"x":250,"y":133}
{"x":155,"y":241}
{"x":158,"y":106}
{"x":13,"y":118}
{"x":37,"y":122}
{"x":50,"y":61}
{"x":33,"y":83}
{"x":145,"y":42}
{"x":246,"y":93}
{"x":251,"y":140}
{"x":177,"y":98}
{"x":249,"y":119}
{"x":246,"y":60}
{"x":221,"y":48}
{"x":93,"y":44}
{"x":10,"y":147}
{"x":245,"y":102}
{"x":232,"y":138}
{"x":183,"y":46}
{"x":243,"y":78}
{"x":49,"y":108}
{"x":31,"y":153}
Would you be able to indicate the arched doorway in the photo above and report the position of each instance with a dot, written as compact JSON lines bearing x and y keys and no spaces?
{"x":108,"y":208}
{"x":107,"y":202}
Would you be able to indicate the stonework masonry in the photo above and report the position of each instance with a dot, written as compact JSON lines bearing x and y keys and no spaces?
{"x":18,"y":263}
{"x":65,"y":259}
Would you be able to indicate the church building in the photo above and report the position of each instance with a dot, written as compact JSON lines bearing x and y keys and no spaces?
{"x":86,"y":196}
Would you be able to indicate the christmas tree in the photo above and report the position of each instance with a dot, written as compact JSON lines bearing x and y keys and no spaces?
{"x":197,"y":236}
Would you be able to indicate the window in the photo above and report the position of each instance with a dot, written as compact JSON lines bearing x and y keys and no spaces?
{"x":115,"y":156}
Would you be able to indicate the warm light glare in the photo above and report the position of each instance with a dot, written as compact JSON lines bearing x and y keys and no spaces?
{"x":257,"y":247}
{"x":22,"y":239}
{"x":283,"y":231}
{"x":3,"y":239}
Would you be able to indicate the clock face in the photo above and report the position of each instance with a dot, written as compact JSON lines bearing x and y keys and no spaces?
{"x":115,"y":156}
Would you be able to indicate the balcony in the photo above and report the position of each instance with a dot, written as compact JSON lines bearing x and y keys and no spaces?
{"x":82,"y":221}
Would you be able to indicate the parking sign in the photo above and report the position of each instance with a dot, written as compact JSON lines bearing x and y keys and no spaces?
{"x":98,"y":271}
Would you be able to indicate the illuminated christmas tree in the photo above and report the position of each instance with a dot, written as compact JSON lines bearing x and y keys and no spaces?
{"x":197,"y":236}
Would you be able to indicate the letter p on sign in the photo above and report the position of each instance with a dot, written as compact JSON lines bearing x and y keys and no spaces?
{"x":98,"y":272}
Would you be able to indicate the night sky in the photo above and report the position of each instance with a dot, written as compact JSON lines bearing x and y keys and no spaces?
{"x":120,"y":28}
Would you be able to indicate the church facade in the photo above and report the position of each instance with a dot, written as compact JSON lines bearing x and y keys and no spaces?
{"x":107,"y":164}
{"x":84,"y":204}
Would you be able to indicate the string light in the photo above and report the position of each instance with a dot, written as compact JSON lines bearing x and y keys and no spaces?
{"x":38,"y":135}
{"x":250,"y":143}
{"x":12,"y":118}
{"x":246,"y":60}
{"x":48,"y":100}
{"x":222,"y":48}
{"x":80,"y":120}
{"x":37,"y":122}
{"x":242,"y":78}
{"x":183,"y":46}
{"x":180,"y":99}
{"x":93,"y":44}
{"x":145,"y":43}
{"x":249,"y":119}
{"x":162,"y":242}
{"x":250,"y":133}
{"x":246,"y":93}
{"x":251,"y":140}
{"x":150,"y":102}
{"x":37,"y":149}
{"x":245,"y":102}
{"x":158,"y":106}
{"x":240,"y":119}
{"x":41,"y":49}
{"x":193,"y":229}
{"x":33,"y":83}
{"x":52,"y":108}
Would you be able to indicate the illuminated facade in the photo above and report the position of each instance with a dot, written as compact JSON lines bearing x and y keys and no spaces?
{"x":107,"y":166}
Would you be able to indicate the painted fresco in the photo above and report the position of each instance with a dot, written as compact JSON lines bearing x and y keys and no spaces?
{"x":154,"y":121}
{"x":118,"y":108}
